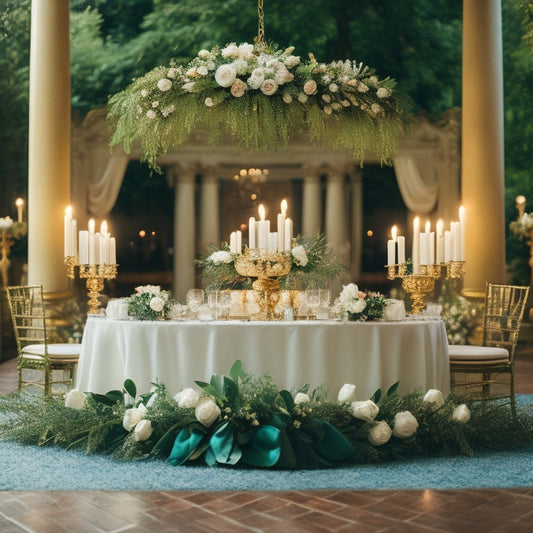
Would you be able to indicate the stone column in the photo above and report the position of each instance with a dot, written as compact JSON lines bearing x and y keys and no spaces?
{"x":311,"y":201}
{"x":336,"y":219}
{"x":209,"y":209}
{"x":482,"y":144}
{"x":49,"y":142}
{"x":184,"y":231}
{"x":357,"y":224}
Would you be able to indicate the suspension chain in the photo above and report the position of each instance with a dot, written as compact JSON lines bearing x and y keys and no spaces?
{"x":260,"y":39}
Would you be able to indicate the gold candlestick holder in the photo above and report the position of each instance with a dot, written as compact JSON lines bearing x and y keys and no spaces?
{"x":9,"y":235}
{"x":266,"y":266}
{"x":417,"y":286}
{"x":455,"y":269}
{"x":94,"y":276}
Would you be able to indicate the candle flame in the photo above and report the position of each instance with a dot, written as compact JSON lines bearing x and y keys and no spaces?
{"x":440,"y":226}
{"x":103,"y":228}
{"x":19,"y":202}
{"x":262,"y":212}
{"x":91,"y":226}
{"x":462,"y":214}
{"x":284,"y":207}
{"x":394,"y":232}
{"x":428,"y":226}
{"x":68,"y":210}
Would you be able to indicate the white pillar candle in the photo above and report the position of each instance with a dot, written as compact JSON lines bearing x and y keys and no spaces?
{"x":251,"y":233}
{"x":74,"y":238}
{"x":102,"y":249}
{"x":19,"y":202}
{"x":431,"y":248}
{"x":84,"y":248}
{"x":262,"y":241}
{"x":456,"y":240}
{"x":239,"y":242}
{"x":281,"y":231}
{"x":67,"y":229}
{"x":447,"y":246}
{"x":462,"y":233}
{"x":112,"y":251}
{"x":288,"y":235}
{"x":273,"y":241}
{"x":440,"y":241}
{"x":423,"y":249}
{"x":92,"y":248}
{"x":416,"y":245}
{"x":401,"y":249}
{"x":233,"y":242}
{"x":391,"y":252}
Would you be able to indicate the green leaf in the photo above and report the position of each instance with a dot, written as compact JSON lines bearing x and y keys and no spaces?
{"x":130,"y":388}
{"x":392,"y":389}
{"x":236,"y":371}
{"x":376,"y":396}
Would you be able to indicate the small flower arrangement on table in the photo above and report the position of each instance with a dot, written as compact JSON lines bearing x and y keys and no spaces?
{"x":355,"y":305}
{"x":149,"y":303}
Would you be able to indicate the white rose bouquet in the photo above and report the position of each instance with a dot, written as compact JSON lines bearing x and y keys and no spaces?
{"x":353,"y":304}
{"x":149,"y":303}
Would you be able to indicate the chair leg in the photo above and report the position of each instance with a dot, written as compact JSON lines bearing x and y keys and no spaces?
{"x":47,"y":378}
{"x":486,"y":385}
{"x":513,"y":400}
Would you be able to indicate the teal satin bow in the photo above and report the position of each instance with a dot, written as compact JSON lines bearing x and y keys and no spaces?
{"x":264,"y":447}
{"x":184,"y":446}
{"x":223,"y":447}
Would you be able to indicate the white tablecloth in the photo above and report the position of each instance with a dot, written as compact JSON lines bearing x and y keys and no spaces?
{"x":370,"y":355}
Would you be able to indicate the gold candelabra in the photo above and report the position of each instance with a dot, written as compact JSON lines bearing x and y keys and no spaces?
{"x":266,"y":266}
{"x":94,"y":276}
{"x":418,"y":285}
{"x":9,"y":235}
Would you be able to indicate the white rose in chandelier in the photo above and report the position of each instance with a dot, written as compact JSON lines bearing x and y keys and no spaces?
{"x":383,"y":92}
{"x":202,"y":70}
{"x":157,"y":304}
{"x":257,"y":77}
{"x":238,"y":88}
{"x":151,"y":114}
{"x":269,"y":87}
{"x":164,"y":84}
{"x":203,"y":54}
{"x":281,"y":74}
{"x":291,"y":61}
{"x":232,"y":50}
{"x":246,"y":51}
{"x":240,"y":66}
{"x":310,"y":87}
{"x":299,"y":255}
{"x":225,"y":75}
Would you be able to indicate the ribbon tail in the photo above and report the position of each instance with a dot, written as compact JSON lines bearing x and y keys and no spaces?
{"x":184,"y":445}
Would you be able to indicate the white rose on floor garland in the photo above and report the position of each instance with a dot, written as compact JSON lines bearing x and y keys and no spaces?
{"x":244,"y":419}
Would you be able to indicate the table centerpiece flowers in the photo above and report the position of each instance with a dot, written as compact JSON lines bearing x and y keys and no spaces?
{"x":355,"y":305}
{"x":149,"y":302}
{"x":312,"y":266}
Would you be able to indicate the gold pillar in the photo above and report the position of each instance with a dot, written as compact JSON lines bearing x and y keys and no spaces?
{"x":482,"y":144}
{"x":49,"y":142}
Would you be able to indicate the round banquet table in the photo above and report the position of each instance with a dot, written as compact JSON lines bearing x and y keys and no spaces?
{"x":370,"y":355}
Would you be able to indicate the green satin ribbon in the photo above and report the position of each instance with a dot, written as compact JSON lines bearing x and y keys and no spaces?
{"x":264,"y":447}
{"x":223,"y":447}
{"x":186,"y":442}
{"x":327,"y":440}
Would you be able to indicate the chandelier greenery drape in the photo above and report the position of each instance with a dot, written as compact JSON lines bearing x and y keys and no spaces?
{"x":259,"y":97}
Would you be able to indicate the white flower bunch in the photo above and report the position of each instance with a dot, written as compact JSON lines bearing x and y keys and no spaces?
{"x":148,"y":303}
{"x":220,"y":256}
{"x":6,"y":223}
{"x":299,"y":256}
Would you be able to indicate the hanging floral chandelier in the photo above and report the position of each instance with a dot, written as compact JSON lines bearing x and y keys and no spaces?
{"x":260,"y":98}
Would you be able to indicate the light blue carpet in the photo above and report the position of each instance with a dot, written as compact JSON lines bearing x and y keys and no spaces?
{"x":34,"y":468}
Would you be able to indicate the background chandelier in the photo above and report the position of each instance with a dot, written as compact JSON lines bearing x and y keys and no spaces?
{"x":261,"y":98}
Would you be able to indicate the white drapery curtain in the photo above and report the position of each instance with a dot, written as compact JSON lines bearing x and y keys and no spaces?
{"x":418,"y":182}
{"x":102,"y":190}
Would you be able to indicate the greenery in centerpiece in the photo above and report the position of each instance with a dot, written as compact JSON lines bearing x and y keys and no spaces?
{"x":313,"y":266}
{"x":241,"y":419}
{"x":263,"y":97}
{"x":149,"y":303}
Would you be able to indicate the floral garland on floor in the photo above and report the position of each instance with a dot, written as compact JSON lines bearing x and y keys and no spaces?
{"x":313,"y":266}
{"x":241,"y":419}
{"x":263,"y":97}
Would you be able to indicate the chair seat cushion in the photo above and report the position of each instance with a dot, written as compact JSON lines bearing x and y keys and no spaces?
{"x":467,"y":352}
{"x":59,"y":352}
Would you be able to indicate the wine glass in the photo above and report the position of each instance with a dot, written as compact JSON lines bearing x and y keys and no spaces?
{"x":223,"y":304}
{"x":195,"y":298}
{"x":312,"y":299}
